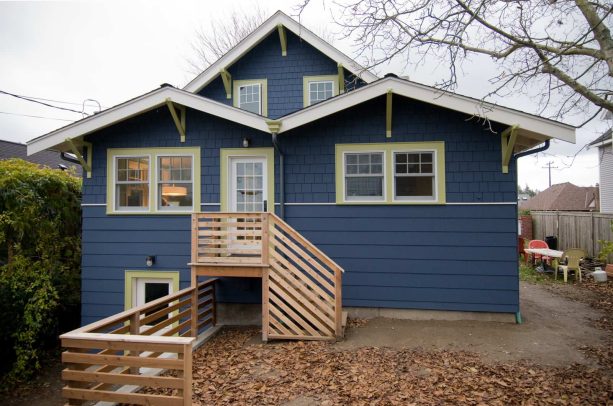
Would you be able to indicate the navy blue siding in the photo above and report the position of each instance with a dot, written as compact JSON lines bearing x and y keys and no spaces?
{"x":451,"y":257}
{"x":284,"y":73}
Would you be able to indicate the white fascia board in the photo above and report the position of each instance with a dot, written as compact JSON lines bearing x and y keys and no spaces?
{"x":140,"y":105}
{"x":262,"y":32}
{"x":545,"y":127}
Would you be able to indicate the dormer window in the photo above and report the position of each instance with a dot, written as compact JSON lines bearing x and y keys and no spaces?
{"x":319,"y":88}
{"x":251,"y":95}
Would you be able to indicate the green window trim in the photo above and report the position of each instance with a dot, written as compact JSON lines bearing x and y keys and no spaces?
{"x":152,"y":154}
{"x":322,"y":78}
{"x":131,"y":276}
{"x":388,"y":149}
{"x":224,"y":187}
{"x":263,"y":95}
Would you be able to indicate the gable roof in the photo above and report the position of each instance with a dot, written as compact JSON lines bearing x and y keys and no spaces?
{"x":532,"y":129}
{"x":268,"y":26}
{"x":603,"y":140}
{"x":148,"y":101}
{"x":9,"y":149}
{"x":566,"y":197}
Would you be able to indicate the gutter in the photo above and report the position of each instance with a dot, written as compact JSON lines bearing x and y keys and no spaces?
{"x":532,"y":151}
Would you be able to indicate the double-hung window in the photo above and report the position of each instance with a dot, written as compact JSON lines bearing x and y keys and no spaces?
{"x":391,"y":173}
{"x":175,"y":182}
{"x":132,"y":183}
{"x":251,"y":95}
{"x":414,"y":176}
{"x":149,"y":181}
{"x":364,"y":177}
{"x":319,"y":88}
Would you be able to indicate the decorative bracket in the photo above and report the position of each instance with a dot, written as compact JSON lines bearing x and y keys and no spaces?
{"x":179,"y":122}
{"x":507,"y":144}
{"x":388,"y":114}
{"x":341,"y":79}
{"x":86,"y":164}
{"x":274,"y":126}
{"x":283,"y":39}
{"x":227,"y":82}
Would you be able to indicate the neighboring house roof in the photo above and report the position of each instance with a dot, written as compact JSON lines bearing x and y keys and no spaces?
{"x":604,"y":139}
{"x":533,"y":129}
{"x":260,"y":33}
{"x":51,"y":159}
{"x":565,"y":197}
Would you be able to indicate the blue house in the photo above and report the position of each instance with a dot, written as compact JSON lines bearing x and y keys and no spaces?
{"x":410,"y":190}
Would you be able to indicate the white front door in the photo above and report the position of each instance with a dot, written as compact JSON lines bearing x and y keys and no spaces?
{"x":146,"y":290}
{"x":248,"y":184}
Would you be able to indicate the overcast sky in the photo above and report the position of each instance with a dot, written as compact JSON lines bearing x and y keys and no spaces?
{"x":115,"y":50}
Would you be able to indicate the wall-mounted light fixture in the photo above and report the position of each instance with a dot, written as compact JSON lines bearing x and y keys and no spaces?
{"x":150,"y":261}
{"x":246,"y":142}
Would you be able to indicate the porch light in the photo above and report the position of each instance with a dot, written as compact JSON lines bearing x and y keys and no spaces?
{"x":246,"y":142}
{"x":174,"y":191}
{"x":150,"y":261}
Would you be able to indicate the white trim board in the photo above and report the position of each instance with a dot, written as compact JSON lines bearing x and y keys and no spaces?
{"x":139,"y":105}
{"x":532,"y":126}
{"x":253,"y":39}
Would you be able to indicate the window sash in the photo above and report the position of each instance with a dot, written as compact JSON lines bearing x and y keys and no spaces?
{"x":314,"y":90}
{"x":161,"y":183}
{"x":432,"y":174}
{"x":145,"y":183}
{"x":242,"y":103}
{"x":369,"y":175}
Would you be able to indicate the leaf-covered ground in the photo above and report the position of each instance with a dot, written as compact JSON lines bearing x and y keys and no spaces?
{"x":231,"y":369}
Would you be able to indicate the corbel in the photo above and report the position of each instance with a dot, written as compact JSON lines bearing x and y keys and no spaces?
{"x":507,"y":145}
{"x":283,"y":39}
{"x":388,"y":114}
{"x":86,"y":164}
{"x":227,"y":82}
{"x":179,"y":121}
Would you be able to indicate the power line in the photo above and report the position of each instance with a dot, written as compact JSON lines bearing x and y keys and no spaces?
{"x":54,"y":101}
{"x":28,"y":115}
{"x":40,"y":102}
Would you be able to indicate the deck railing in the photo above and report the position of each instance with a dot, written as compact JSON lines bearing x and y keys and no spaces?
{"x":229,"y":238}
{"x":111,"y":359}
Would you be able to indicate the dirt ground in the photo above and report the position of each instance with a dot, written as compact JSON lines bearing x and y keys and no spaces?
{"x":412,"y":362}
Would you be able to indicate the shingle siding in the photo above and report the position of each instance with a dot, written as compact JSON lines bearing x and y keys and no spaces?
{"x":284,"y":73}
{"x":447,"y":257}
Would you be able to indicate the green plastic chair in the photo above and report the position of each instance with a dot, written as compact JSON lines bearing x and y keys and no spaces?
{"x":571,"y":257}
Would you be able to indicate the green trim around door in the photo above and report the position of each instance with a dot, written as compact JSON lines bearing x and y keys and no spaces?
{"x":132,"y":275}
{"x":227,"y":153}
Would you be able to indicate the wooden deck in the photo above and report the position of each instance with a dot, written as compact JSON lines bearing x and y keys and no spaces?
{"x":301,"y":286}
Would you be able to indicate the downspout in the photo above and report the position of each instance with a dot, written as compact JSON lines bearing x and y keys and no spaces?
{"x":275,"y":143}
{"x":518,"y":318}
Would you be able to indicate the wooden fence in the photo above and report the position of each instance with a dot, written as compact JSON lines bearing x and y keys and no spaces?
{"x":574,"y":229}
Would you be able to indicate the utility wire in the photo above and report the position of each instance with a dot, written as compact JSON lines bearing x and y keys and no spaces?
{"x":55,"y":101}
{"x":40,"y":102}
{"x":28,"y":115}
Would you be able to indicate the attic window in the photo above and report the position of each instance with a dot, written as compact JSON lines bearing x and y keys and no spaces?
{"x":319,"y":88}
{"x":250,"y":95}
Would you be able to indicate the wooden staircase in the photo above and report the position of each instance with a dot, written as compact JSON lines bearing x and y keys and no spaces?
{"x":301,"y":286}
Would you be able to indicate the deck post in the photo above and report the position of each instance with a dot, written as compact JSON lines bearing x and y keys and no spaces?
{"x":187,"y":374}
{"x":338,"y":304}
{"x":194,"y":240}
{"x":194,"y":305}
{"x":265,"y":238}
{"x":135,"y":330}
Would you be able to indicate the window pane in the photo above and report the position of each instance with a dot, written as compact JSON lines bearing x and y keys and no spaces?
{"x":413,"y":186}
{"x":153,"y":291}
{"x":133,"y":169}
{"x":133,"y":195}
{"x":175,"y":195}
{"x":249,"y":98}
{"x":320,"y":91}
{"x":426,"y":157}
{"x":178,"y":168}
{"x":364,"y":186}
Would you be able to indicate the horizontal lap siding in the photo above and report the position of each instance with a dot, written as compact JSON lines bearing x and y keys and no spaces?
{"x":435,"y":257}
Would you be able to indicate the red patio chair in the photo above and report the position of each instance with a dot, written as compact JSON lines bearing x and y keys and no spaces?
{"x":539,"y":244}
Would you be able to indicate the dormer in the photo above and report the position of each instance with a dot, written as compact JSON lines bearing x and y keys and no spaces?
{"x":278,"y":69}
